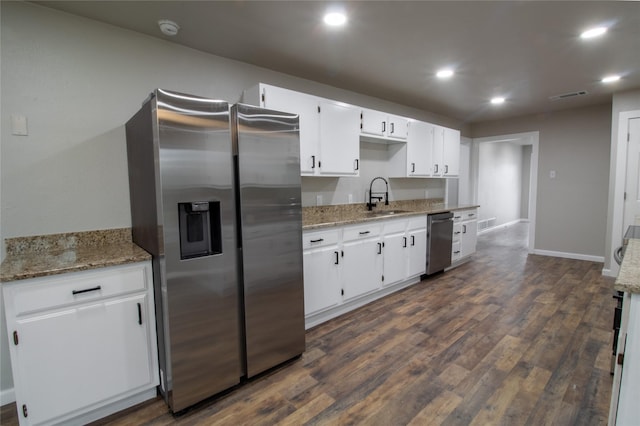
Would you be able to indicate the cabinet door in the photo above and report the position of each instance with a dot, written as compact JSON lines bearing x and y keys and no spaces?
{"x":395,"y":249}
{"x":362,"y":267}
{"x":419,"y":146}
{"x":417,"y":252}
{"x":339,"y":139}
{"x":437,"y":167}
{"x":451,"y":152}
{"x":373,"y":122}
{"x":397,"y":127}
{"x":469,"y":238}
{"x":306,"y":106}
{"x":77,"y":357}
{"x":321,"y":279}
{"x":455,"y":251}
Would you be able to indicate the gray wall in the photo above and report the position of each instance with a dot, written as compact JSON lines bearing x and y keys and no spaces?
{"x":571,"y":209}
{"x":78,"y":81}
{"x":499,"y":181}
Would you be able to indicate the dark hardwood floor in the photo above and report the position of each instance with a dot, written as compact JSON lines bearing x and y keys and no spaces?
{"x":507,"y":338}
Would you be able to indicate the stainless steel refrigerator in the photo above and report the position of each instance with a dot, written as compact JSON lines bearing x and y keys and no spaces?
{"x":215,"y":198}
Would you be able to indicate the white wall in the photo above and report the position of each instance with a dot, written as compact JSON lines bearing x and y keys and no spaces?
{"x":500,"y":181}
{"x":78,"y":81}
{"x":571,"y":210}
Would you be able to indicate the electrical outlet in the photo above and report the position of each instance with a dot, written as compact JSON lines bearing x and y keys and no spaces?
{"x":318,"y":200}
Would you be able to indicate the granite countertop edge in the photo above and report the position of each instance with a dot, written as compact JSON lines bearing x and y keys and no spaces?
{"x":364,"y":218}
{"x":628,"y":279}
{"x":25,"y":266}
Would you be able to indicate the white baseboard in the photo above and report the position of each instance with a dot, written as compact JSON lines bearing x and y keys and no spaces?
{"x":7,"y":396}
{"x":608,"y":273}
{"x":567,"y":255}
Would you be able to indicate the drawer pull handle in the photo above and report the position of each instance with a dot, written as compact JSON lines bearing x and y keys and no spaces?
{"x":365,"y":232}
{"x":317,"y":241}
{"x":457,"y":232}
{"x":457,"y":251}
{"x":139,"y":314}
{"x":86,"y":290}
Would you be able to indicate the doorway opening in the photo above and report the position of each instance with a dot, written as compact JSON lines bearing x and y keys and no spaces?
{"x":503,"y":181}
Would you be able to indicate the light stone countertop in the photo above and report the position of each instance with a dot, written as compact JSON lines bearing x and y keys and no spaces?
{"x":347,"y":214}
{"x":40,"y":256}
{"x":629,"y":276}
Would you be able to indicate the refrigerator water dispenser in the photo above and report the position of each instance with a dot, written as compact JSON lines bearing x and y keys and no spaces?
{"x":200,"y":233}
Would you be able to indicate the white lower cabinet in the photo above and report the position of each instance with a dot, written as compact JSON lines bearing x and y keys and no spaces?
{"x":362,"y":264}
{"x":465,"y":234}
{"x":417,"y":242}
{"x":346,"y":267}
{"x":83,"y":345}
{"x":321,"y":258}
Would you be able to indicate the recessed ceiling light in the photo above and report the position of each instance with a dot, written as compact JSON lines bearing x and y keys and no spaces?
{"x":593,"y":32}
{"x":610,"y":78}
{"x":497,"y":100}
{"x":335,"y":19}
{"x":445,"y":73}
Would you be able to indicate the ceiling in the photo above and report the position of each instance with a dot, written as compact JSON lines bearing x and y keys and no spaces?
{"x":524,"y":51}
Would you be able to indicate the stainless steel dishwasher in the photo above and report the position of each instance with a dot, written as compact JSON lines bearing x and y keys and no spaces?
{"x":439,"y":236}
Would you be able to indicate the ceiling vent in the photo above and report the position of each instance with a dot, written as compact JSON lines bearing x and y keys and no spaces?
{"x":568,"y":95}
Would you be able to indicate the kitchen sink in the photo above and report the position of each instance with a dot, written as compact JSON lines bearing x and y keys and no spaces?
{"x":386,"y":213}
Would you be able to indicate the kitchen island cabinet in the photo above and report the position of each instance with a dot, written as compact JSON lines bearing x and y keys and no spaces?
{"x":83,"y":344}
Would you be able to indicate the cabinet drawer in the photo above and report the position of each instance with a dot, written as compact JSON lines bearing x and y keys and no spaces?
{"x":457,"y":216}
{"x":395,"y":225}
{"x":457,"y":231}
{"x":314,"y":239}
{"x":469,"y":215}
{"x":362,"y":231}
{"x":455,"y":251}
{"x":75,"y":288}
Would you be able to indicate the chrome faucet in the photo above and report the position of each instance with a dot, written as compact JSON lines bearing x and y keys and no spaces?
{"x":371,"y":204}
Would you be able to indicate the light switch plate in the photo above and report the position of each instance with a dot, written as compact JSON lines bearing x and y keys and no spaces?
{"x":19,"y":125}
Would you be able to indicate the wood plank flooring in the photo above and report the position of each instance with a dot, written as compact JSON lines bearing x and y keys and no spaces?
{"x":504,"y":339}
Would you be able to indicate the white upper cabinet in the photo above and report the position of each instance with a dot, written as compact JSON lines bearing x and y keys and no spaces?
{"x":293,"y":102}
{"x":413,"y":159}
{"x":339,"y":139}
{"x":329,"y":131}
{"x":445,"y":155}
{"x":382,"y":125}
{"x":451,"y":152}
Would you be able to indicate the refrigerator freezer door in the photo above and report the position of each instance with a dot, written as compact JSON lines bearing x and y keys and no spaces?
{"x":268,"y":151}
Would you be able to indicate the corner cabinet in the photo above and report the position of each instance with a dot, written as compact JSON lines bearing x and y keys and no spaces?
{"x":83,"y":344}
{"x":329,"y":130}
